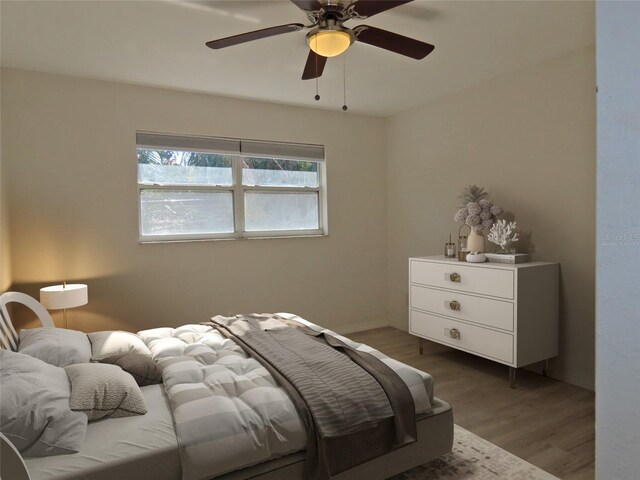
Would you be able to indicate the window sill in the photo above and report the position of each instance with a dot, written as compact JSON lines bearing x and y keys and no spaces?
{"x":226,"y":239}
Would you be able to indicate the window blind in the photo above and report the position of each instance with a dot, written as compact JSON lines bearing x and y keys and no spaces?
{"x":292,"y":151}
{"x":188,"y":143}
{"x":251,"y":148}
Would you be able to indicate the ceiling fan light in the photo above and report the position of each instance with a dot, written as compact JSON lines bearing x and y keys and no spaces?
{"x":329,"y":43}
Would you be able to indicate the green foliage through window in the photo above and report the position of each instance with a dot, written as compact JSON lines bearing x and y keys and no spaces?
{"x":181,"y":158}
{"x":279,"y":164}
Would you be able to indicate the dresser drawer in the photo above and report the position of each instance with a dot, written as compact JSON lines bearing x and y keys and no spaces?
{"x":485,"y":311}
{"x":458,"y":276}
{"x":474,"y":339}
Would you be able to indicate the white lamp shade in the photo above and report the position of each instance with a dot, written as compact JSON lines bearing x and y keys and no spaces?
{"x":60,"y":296}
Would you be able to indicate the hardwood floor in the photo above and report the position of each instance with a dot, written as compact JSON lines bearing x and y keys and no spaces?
{"x":544,"y":421}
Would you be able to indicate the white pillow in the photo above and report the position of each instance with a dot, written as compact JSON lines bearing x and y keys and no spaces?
{"x":34,"y":407}
{"x":56,"y":346}
{"x":115,"y":343}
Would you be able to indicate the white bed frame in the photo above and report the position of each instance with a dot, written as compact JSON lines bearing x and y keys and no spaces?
{"x":8,"y":335}
{"x":12,"y":465}
{"x":435,"y":430}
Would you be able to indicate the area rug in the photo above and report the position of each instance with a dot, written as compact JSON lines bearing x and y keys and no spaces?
{"x":475,"y":458}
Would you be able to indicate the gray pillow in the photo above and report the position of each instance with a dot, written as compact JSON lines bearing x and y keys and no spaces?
{"x":56,"y":346}
{"x":141,"y":367}
{"x":34,"y":407}
{"x":114,"y":343}
{"x":101,"y":390}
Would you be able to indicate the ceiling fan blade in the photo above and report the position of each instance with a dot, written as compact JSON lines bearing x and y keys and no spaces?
{"x":392,"y":42}
{"x":314,"y":66}
{"x":255,"y":35}
{"x":369,"y":8}
{"x":308,"y":5}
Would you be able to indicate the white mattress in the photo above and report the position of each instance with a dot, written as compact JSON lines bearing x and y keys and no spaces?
{"x":135,"y":448}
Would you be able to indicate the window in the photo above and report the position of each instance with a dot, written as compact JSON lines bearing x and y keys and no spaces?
{"x":193,"y":188}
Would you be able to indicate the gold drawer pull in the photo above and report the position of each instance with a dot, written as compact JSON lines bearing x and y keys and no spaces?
{"x":454,"y":305}
{"x":455,"y":277}
{"x":454,"y":333}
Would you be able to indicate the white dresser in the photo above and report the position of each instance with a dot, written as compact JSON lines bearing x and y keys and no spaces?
{"x":506,"y":313}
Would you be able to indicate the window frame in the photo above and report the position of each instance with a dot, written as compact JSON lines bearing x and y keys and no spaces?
{"x":237,"y":190}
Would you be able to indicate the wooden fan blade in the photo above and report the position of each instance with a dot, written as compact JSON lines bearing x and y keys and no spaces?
{"x":392,"y":41}
{"x":369,"y":8}
{"x":307,"y":5}
{"x":314,"y":66}
{"x":255,"y":35}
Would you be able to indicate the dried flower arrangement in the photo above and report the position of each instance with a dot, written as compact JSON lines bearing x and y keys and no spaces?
{"x":472,"y":193}
{"x":477,"y":212}
{"x":503,"y":233}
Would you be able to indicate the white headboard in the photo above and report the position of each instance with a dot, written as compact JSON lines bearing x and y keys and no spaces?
{"x":8,"y":335}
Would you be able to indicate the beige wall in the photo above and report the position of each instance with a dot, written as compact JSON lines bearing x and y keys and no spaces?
{"x":529,"y":139}
{"x":5,"y":251}
{"x":69,"y":149}
{"x":5,"y":234}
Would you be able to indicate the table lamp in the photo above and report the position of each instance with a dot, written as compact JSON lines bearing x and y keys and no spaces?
{"x":64,"y":296}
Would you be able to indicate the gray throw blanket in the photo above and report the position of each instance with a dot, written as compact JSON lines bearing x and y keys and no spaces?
{"x":355,"y":407}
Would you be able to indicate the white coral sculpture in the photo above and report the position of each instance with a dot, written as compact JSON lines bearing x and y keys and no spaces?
{"x":503,"y":233}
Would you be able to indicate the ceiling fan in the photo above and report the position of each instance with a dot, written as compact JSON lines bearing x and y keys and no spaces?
{"x":328,"y":37}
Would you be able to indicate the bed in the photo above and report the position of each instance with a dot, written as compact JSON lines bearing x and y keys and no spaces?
{"x":146,"y":446}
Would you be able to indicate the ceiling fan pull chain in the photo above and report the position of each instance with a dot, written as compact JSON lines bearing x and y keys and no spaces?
{"x":317,"y":97}
{"x":344,"y":82}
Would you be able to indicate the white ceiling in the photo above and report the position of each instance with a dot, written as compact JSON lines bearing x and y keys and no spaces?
{"x":161,"y":43}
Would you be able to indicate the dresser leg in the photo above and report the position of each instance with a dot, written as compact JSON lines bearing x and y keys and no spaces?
{"x":512,"y":377}
{"x":421,"y":345}
{"x":545,"y":367}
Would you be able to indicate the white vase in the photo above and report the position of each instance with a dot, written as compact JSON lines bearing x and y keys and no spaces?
{"x":476,"y":242}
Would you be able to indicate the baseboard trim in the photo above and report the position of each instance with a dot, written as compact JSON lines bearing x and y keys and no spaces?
{"x":359,"y":327}
{"x":404,"y":326}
